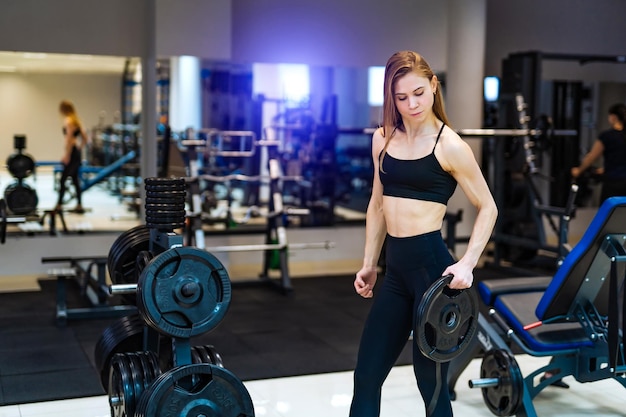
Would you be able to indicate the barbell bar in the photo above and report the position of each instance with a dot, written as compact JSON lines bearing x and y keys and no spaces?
{"x":480,"y":132}
{"x":515,"y":132}
{"x":484,"y":382}
{"x":271,"y":246}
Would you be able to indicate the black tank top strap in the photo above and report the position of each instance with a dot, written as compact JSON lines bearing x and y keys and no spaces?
{"x":437,"y":140}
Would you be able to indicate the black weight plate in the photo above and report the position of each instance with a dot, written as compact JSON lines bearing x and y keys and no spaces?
{"x":121,"y":388}
{"x":120,"y":255}
{"x":143,"y":258}
{"x":194,"y":390}
{"x":159,"y":181}
{"x":183,"y":292}
{"x":145,"y":373}
{"x":169,"y":212}
{"x":206,"y":354}
{"x":124,"y":335}
{"x":216,"y":358}
{"x":177,"y":200}
{"x":21,"y":199}
{"x":3,"y":220}
{"x":165,"y":218}
{"x":137,"y":375}
{"x":505,"y":398}
{"x":121,"y":261}
{"x":165,"y":202}
{"x":164,"y":188}
{"x":113,"y":335}
{"x":131,"y":374}
{"x":195,"y":355}
{"x":165,"y":194}
{"x":446,"y":322}
{"x":116,"y":249}
{"x":150,"y":361}
{"x":21,"y":165}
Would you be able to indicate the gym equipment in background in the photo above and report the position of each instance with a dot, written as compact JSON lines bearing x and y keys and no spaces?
{"x":513,"y":170}
{"x":575,"y":317}
{"x":243,"y":145}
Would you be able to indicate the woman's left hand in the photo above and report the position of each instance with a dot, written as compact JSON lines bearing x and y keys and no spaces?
{"x":463,"y":276}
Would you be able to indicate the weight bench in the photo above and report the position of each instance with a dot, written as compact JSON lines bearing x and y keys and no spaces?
{"x":90,"y":274}
{"x":576,"y":317}
{"x":52,"y":223}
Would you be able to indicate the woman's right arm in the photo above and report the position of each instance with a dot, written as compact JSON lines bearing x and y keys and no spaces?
{"x":375,"y":227}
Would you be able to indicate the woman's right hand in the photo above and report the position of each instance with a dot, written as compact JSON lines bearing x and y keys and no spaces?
{"x":365,"y":281}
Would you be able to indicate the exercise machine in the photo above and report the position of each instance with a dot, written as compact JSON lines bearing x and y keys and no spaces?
{"x":513,"y":170}
{"x":276,"y":246}
{"x":573,"y":317}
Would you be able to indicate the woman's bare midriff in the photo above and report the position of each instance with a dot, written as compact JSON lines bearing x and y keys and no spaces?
{"x":408,"y":217}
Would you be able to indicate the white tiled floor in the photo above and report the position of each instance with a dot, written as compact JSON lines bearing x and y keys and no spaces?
{"x":329,"y":395}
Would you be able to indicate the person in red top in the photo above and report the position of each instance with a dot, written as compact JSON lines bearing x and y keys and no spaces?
{"x":418,"y":161}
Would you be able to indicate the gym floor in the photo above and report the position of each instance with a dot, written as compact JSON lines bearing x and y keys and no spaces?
{"x":330,"y":394}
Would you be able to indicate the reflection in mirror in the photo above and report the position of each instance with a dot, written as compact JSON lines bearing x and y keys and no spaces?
{"x":320,"y":120}
{"x":316,"y":120}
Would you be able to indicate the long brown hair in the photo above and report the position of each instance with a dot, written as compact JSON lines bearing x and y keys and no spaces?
{"x":398,"y":65}
{"x":67,"y":109}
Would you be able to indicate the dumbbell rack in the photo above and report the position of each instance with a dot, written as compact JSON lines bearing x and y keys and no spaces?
{"x":181,"y":292}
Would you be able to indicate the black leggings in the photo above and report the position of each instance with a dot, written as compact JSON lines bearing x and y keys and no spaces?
{"x":413,"y":264}
{"x":71,"y":171}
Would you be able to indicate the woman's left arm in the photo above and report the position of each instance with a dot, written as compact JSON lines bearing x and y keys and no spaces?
{"x":460,"y":161}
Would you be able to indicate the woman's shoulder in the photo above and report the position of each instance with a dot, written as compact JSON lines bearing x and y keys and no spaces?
{"x":452,"y":149}
{"x":378,"y":138}
{"x":451,"y":140}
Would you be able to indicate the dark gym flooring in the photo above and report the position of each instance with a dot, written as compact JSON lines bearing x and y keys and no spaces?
{"x":264,"y":335}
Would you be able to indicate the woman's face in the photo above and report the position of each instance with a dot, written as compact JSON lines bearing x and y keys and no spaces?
{"x":414,"y":96}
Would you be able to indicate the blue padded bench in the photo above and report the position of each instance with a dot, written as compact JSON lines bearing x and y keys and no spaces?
{"x":577,"y":317}
{"x":489,"y":290}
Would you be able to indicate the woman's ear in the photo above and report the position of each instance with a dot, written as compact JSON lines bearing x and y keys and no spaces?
{"x":434,"y":82}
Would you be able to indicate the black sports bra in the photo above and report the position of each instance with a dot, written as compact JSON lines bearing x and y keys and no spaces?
{"x":418,"y":179}
{"x":75,"y":134}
